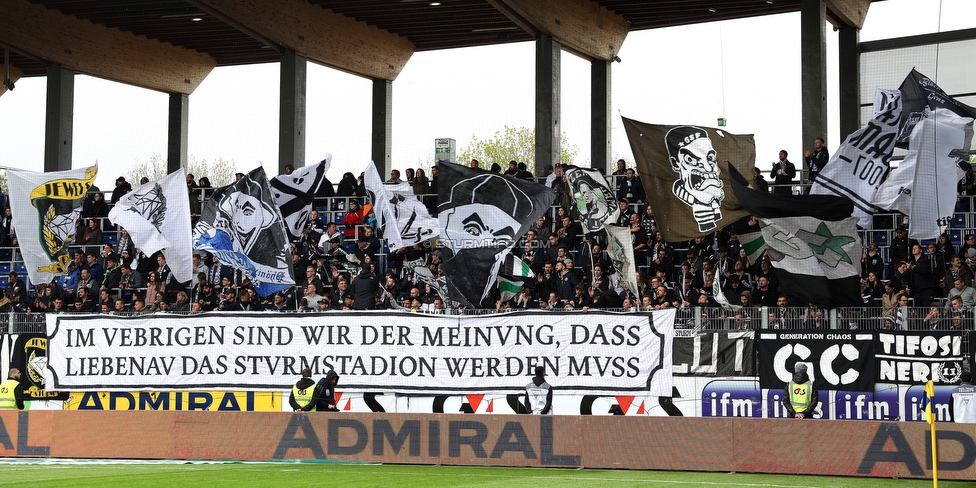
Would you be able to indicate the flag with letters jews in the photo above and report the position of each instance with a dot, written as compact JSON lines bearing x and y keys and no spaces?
{"x":812,"y":242}
{"x":293,"y":194}
{"x":684,"y":169}
{"x":400,"y":215}
{"x":241,"y":225}
{"x":481,"y":216}
{"x":157,"y":217}
{"x":45,"y":208}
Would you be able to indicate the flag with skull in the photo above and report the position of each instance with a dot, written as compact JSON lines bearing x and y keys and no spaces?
{"x":684,"y":170}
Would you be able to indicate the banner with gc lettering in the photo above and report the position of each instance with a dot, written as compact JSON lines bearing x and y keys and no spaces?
{"x":592,"y":353}
{"x":718,"y":353}
{"x":835,"y":360}
{"x":915,"y":357}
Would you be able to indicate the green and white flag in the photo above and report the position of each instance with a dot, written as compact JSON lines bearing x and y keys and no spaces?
{"x":754,"y":245}
{"x":509,"y":283}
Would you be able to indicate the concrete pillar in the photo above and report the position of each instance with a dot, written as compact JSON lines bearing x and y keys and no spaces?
{"x":600,"y":106}
{"x":382,"y":140}
{"x":291,"y":111}
{"x":59,"y":119}
{"x":547,"y":102}
{"x":179,"y":116}
{"x":849,"y":76}
{"x":813,"y":74}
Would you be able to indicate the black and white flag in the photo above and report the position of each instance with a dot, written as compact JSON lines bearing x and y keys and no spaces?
{"x":294,"y":194}
{"x":924,"y":184}
{"x":859,"y":166}
{"x":594,"y":198}
{"x":157,"y":217}
{"x":401,"y":217}
{"x":241,"y":225}
{"x":481,"y":216}
{"x":812,"y":242}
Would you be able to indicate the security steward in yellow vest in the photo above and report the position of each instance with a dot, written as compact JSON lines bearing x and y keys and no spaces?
{"x":12,"y":392}
{"x":304,"y":395}
{"x":800,"y":396}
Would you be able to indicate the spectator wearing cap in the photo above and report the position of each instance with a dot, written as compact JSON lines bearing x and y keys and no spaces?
{"x":113,"y":273}
{"x":899,"y":248}
{"x":512,"y":168}
{"x":238,"y":176}
{"x":230,"y":303}
{"x":121,"y":188}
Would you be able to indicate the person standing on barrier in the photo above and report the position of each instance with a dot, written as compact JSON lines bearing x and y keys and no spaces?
{"x":538,"y":394}
{"x":962,"y":402}
{"x":305,"y":394}
{"x":12,"y":392}
{"x":800,"y":397}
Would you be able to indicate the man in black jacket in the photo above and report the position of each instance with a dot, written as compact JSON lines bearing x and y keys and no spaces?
{"x":327,"y":400}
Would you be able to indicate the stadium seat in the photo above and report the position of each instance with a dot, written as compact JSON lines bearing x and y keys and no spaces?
{"x":110,"y":239}
{"x":955,"y":237}
{"x":4,"y":280}
{"x":20,"y":269}
{"x":4,"y":270}
{"x":959,"y":221}
{"x":926,"y":242}
{"x":964,"y":204}
{"x":881,"y":239}
{"x":6,"y":254}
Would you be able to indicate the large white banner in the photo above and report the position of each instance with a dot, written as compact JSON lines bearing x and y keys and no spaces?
{"x":591,"y":353}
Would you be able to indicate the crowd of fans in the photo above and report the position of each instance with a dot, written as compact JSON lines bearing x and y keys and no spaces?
{"x":340,"y":262}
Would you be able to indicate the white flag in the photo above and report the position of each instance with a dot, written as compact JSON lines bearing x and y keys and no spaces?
{"x":45,"y":207}
{"x":924,"y":184}
{"x":399,"y":214}
{"x":157,"y":217}
{"x":861,"y":163}
{"x":620,"y":248}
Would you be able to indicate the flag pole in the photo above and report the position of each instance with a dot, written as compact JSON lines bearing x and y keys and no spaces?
{"x":929,"y":412}
{"x":935,"y":459}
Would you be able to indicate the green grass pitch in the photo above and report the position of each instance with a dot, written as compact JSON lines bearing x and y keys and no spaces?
{"x":14,"y":473}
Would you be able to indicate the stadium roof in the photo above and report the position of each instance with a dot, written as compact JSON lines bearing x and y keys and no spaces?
{"x":125,"y":39}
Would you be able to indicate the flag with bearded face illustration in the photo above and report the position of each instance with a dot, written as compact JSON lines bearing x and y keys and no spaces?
{"x":481,"y":216}
{"x":684,"y":169}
